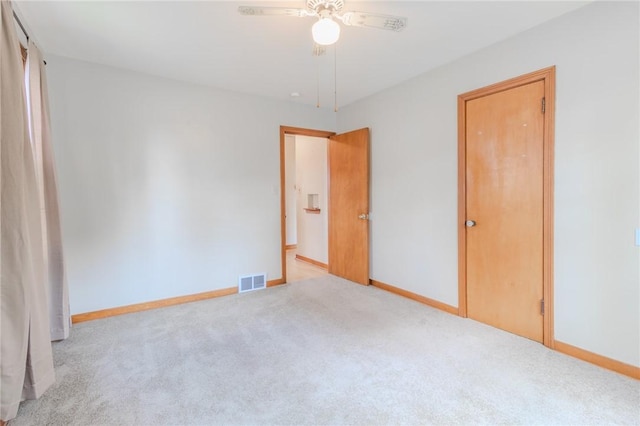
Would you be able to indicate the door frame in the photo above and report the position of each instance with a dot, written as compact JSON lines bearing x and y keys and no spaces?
{"x":299,"y":131}
{"x":547,"y":75}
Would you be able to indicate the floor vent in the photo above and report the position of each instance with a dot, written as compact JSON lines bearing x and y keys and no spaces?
{"x":252,"y":282}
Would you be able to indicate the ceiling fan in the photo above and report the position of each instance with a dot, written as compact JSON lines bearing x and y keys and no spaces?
{"x":326,"y":30}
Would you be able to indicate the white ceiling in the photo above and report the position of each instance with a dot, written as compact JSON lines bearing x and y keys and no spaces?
{"x":208,"y":42}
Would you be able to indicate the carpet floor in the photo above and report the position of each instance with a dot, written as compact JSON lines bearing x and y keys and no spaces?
{"x":319,"y":352}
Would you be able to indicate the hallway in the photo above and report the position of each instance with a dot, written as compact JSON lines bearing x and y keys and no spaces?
{"x":298,"y":270}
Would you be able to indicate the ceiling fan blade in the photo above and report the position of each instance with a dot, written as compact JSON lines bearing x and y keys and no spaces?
{"x":374,"y":20}
{"x":274,"y":11}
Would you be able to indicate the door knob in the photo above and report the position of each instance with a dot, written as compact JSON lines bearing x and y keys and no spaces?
{"x":363,"y":216}
{"x":470,"y":223}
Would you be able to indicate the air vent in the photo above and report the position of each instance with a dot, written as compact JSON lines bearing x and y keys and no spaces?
{"x":252,"y":282}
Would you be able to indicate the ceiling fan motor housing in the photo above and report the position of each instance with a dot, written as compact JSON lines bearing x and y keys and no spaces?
{"x":320,"y":5}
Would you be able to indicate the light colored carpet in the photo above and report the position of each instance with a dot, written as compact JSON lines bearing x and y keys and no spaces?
{"x":322,"y":351}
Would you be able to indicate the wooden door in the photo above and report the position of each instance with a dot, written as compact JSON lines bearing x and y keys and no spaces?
{"x":504,"y":209}
{"x":349,"y":206}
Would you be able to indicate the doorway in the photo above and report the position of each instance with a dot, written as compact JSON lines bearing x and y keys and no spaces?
{"x":348,"y":159}
{"x":306,"y":194}
{"x":288,"y":256}
{"x":505,"y":190}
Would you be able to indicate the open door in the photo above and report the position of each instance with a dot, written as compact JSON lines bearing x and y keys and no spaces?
{"x":349,"y":205}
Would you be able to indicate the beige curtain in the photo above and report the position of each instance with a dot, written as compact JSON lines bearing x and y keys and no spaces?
{"x":26,"y":363}
{"x":59,"y":316}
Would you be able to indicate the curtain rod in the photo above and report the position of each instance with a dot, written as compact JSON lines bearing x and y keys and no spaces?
{"x":26,"y":34}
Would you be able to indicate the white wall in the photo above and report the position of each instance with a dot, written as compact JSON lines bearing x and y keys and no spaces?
{"x":311,"y":178}
{"x":291,"y":193}
{"x":166,"y":188}
{"x":597,"y":187}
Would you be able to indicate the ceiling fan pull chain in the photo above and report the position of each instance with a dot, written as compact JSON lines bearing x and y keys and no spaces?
{"x":317,"y":81}
{"x":335,"y":79}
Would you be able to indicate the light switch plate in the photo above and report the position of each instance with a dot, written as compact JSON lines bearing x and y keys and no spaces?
{"x":638,"y":237}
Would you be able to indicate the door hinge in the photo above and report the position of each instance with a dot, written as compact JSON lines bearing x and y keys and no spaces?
{"x":541,"y":306}
{"x":544,"y":105}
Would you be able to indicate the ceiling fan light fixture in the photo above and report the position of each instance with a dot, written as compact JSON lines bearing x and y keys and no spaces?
{"x":326,"y":31}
